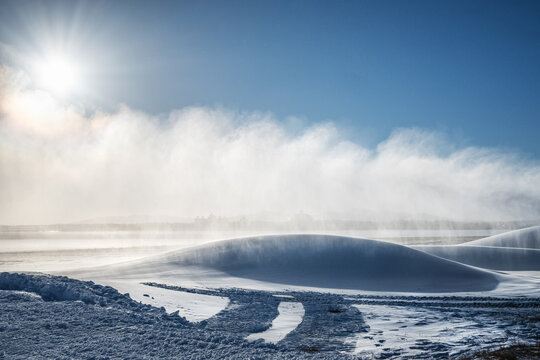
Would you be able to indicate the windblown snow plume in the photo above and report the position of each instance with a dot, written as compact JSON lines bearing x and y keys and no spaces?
{"x":59,"y":164}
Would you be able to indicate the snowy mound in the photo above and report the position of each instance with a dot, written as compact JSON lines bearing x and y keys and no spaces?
{"x":524,"y":238}
{"x":488,"y":257}
{"x":331,"y":262}
{"x":517,"y":250}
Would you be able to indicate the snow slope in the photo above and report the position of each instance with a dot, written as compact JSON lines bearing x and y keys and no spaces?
{"x":523,"y":238}
{"x":488,"y":257}
{"x":321,"y":261}
{"x":517,"y":250}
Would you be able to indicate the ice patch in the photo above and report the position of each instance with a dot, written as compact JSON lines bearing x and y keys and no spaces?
{"x":193,"y":307}
{"x":281,"y":296}
{"x":290,"y":316}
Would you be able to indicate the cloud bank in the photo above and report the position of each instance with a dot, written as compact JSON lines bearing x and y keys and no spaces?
{"x":58,"y":164}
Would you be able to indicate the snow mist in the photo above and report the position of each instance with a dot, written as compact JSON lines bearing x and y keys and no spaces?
{"x":58,"y":164}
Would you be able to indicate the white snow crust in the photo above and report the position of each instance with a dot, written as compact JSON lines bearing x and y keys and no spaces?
{"x":193,"y":307}
{"x":290,"y":316}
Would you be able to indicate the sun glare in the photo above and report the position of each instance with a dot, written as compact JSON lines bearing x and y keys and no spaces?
{"x":58,"y":75}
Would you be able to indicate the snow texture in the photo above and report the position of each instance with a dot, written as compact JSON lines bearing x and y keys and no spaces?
{"x":75,"y":319}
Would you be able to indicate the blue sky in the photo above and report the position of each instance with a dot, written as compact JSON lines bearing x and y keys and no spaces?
{"x":467,"y":68}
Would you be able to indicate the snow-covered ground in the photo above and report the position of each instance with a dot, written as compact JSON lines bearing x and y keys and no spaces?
{"x":291,"y":296}
{"x":406,"y":332}
{"x":73,"y":319}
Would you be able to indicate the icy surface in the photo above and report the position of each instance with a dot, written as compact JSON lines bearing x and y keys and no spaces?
{"x":193,"y":307}
{"x":290,"y":316}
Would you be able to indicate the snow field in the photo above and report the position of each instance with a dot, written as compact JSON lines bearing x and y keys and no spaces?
{"x":333,"y":326}
{"x":377,"y":305}
{"x":405,"y":332}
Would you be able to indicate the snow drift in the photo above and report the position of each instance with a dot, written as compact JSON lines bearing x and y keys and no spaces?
{"x":524,"y":238}
{"x":328,"y":262}
{"x":517,"y":250}
{"x":488,"y":257}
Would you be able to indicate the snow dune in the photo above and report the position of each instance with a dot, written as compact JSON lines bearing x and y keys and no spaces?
{"x":525,"y":238}
{"x":511,"y":251}
{"x":488,"y":257}
{"x":325,"y":261}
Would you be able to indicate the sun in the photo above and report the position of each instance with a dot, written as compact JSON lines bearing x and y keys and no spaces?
{"x":57,"y":74}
